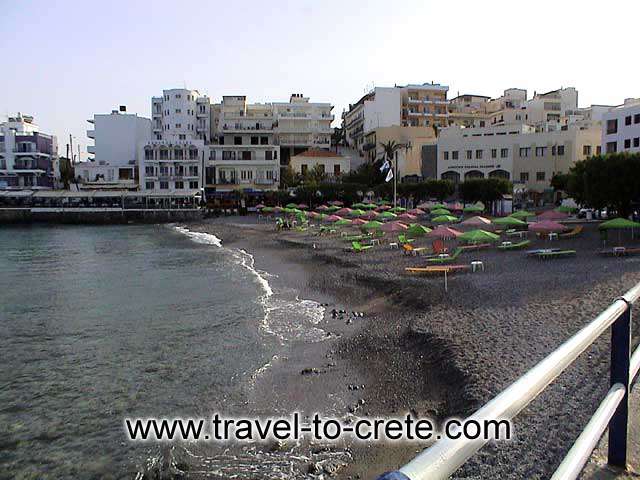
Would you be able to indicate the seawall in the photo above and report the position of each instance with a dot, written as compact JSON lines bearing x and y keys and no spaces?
{"x":95,"y":216}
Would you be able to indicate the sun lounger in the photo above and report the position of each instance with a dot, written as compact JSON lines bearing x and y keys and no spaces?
{"x":355,"y":238}
{"x":358,"y":247}
{"x":533,"y":253}
{"x":402,"y":239}
{"x":477,"y":246}
{"x":450,"y":258}
{"x":556,"y":254}
{"x":515,"y":246}
{"x":573,"y":233}
{"x":409,"y":249}
{"x":438,"y":269}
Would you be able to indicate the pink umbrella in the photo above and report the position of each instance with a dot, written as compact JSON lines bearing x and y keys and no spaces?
{"x":384,"y":207}
{"x":313,"y":214}
{"x":547,"y":226}
{"x":359,"y":221}
{"x":333,"y":218}
{"x":416,"y":211}
{"x":337,"y":203}
{"x":476,"y":221}
{"x":406,"y":216}
{"x":322,"y":208}
{"x":369,"y":215}
{"x":456,"y":206}
{"x":343,"y":211}
{"x":444,"y":232}
{"x":260,"y":205}
{"x":277,"y":209}
{"x":303,"y":206}
{"x":552,"y":215}
{"x":394,"y":227}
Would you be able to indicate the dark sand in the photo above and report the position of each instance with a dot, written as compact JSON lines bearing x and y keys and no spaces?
{"x":433,"y":353}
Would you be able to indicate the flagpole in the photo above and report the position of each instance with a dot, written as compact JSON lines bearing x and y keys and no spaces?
{"x":395,"y":175}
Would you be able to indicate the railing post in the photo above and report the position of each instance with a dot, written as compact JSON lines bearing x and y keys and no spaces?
{"x":620,"y":357}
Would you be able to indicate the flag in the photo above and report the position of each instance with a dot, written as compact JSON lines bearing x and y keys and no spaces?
{"x":385,"y":166}
{"x":389,"y":176}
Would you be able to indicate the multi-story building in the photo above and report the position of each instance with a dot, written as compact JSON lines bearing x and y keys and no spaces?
{"x":353,"y":122}
{"x":115,"y":162}
{"x":331,"y":164}
{"x":28,"y":157}
{"x":181,"y":114}
{"x":245,"y":154}
{"x":621,"y":128}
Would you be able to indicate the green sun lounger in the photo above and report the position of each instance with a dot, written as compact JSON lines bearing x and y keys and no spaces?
{"x":556,"y":254}
{"x":515,"y":246}
{"x":358,"y":247}
{"x":451,"y":258}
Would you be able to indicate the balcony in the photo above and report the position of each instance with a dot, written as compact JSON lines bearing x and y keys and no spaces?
{"x":91,"y":149}
{"x":91,"y":134}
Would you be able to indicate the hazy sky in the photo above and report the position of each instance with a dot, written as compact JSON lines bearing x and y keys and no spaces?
{"x":63,"y":61}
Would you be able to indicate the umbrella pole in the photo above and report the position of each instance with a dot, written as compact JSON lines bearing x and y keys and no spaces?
{"x":446,"y":289}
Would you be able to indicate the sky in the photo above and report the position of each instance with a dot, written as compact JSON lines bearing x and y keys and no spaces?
{"x":66,"y":60}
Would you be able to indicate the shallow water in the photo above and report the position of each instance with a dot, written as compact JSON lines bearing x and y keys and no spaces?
{"x":102,"y":323}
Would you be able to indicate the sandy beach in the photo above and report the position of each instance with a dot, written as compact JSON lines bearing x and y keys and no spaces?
{"x":418,"y":348}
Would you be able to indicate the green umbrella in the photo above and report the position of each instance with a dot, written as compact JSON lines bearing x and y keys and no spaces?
{"x":358,"y":205}
{"x":440,"y":211}
{"x":267,"y":209}
{"x":372,"y":225}
{"x":473,"y":209}
{"x":333,"y":208}
{"x":387,"y":215}
{"x":343,"y":222}
{"x":509,"y":221}
{"x":566,"y":209}
{"x":291,"y":205}
{"x":479,"y":236}
{"x":369,"y":206}
{"x":444,"y":219}
{"x":322,"y":216}
{"x":522,"y":214}
{"x":417,"y":230}
{"x":356,"y":213}
{"x":438,"y":205}
{"x":398,"y":210}
{"x":618,"y":223}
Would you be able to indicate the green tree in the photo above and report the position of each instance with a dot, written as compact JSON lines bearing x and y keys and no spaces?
{"x":560,"y":181}
{"x":368,"y":174}
{"x":485,"y":190}
{"x":288,"y":178}
{"x":315,"y":175}
{"x":67,"y":172}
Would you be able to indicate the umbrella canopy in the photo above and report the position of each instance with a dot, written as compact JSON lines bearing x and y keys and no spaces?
{"x":476,"y":221}
{"x":336,"y":203}
{"x":333,"y":218}
{"x":387,"y":215}
{"x":444,"y":232}
{"x":444,"y":219}
{"x":343,"y":211}
{"x":618,"y":223}
{"x":321,"y":216}
{"x":546,"y":226}
{"x":359,"y":221}
{"x":479,"y":236}
{"x":291,"y":205}
{"x":260,"y":205}
{"x":313,"y":214}
{"x":372,"y":225}
{"x":510,"y":222}
{"x":522,"y":214}
{"x":416,"y":211}
{"x":303,"y":206}
{"x":394,"y":227}
{"x":437,"y":205}
{"x":566,"y":209}
{"x":322,"y":208}
{"x":456,"y":206}
{"x":356,"y":212}
{"x":343,"y":222}
{"x":267,"y":209}
{"x":383,"y":207}
{"x":369,"y":206}
{"x":398,"y":209}
{"x":357,"y":205}
{"x":277,"y":209}
{"x":407,"y":216}
{"x":473,"y":209}
{"x":417,"y":230}
{"x":371,"y":215}
{"x":333,"y":208}
{"x":552,"y":215}
{"x":440,"y":211}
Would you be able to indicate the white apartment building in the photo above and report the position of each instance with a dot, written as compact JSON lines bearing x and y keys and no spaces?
{"x":520,"y":153}
{"x":181,"y":114}
{"x":245,"y":154}
{"x":28,"y":157}
{"x":115,"y":162}
{"x":621,"y":128}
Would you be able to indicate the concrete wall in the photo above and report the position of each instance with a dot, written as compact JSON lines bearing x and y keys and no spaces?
{"x":384,"y":110}
{"x":25,"y":215}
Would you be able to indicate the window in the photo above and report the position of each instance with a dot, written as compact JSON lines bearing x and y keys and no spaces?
{"x":193,"y":170}
{"x":246,"y":174}
{"x":148,"y":154}
{"x":178,"y":95}
{"x":193,"y":154}
{"x":494,"y":153}
{"x":586,"y":150}
{"x":237,"y":140}
{"x":540,"y":151}
{"x":178,"y":110}
{"x":193,"y":185}
{"x":524,"y":151}
{"x":636,"y":142}
{"x":636,"y":118}
{"x":469,"y":154}
{"x":178,"y":125}
{"x":164,"y":154}
{"x":627,"y":120}
{"x":254,"y":140}
{"x":557,"y":150}
{"x":540,"y":176}
{"x":150,"y":185}
{"x":182,"y":136}
{"x":478,"y":154}
{"x":454,"y":155}
{"x":164,"y":170}
{"x":612,"y":147}
{"x":524,"y":177}
{"x":179,"y":185}
{"x":264,"y":140}
{"x":268,"y":155}
{"x":627,"y":143}
{"x":178,"y":154}
{"x":446,"y":155}
{"x":598,"y":150}
{"x":149,"y":171}
{"x":228,"y":155}
{"x":612,"y":126}
{"x":504,"y":152}
{"x":164,"y":185}
{"x":336,"y":169}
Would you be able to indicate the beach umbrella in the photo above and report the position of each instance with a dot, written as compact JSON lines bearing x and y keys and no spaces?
{"x":438,"y":205}
{"x":267,"y":209}
{"x":392,"y":227}
{"x":333,"y":208}
{"x":444,"y":219}
{"x":546,"y":226}
{"x":407,"y":216}
{"x":260,"y":205}
{"x":303,"y":206}
{"x":370,"y":215}
{"x":277,"y":209}
{"x":398,"y":209}
{"x":618,"y":223}
{"x":321,"y":216}
{"x":313,"y":214}
{"x":383,"y":208}
{"x":291,"y":205}
{"x":444,"y":233}
{"x":522,"y":214}
{"x":343,"y":222}
{"x":416,"y":211}
{"x":473,"y":209}
{"x":387,"y":215}
{"x":359,"y":221}
{"x":332,"y":218}
{"x":343,"y":211}
{"x":336,"y":203}
{"x":476,"y":221}
{"x":322,"y":208}
{"x":552,"y":215}
{"x":566,"y":209}
{"x":424,"y":205}
{"x":509,"y":222}
{"x":357,"y":205}
{"x":440,"y":211}
{"x":456,"y":206}
{"x":372,"y":225}
{"x":356,"y":212}
{"x":369,"y":206}
{"x":417,"y":230}
{"x":479,"y":236}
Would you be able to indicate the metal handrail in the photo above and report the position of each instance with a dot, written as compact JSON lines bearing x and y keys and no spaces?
{"x":444,"y":457}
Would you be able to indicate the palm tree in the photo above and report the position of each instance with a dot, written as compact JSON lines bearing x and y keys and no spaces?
{"x":338,"y":137}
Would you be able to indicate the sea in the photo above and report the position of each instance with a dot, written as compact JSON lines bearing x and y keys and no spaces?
{"x":101,"y":323}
